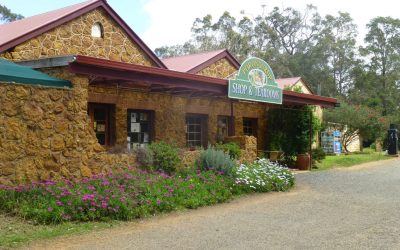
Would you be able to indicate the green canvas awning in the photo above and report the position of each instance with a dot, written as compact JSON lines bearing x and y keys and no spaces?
{"x":12,"y":72}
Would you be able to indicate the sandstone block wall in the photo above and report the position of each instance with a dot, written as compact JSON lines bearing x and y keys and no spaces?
{"x":220,"y":69}
{"x":45,"y":133}
{"x":248,"y":147}
{"x":170,"y":113}
{"x":74,"y":37}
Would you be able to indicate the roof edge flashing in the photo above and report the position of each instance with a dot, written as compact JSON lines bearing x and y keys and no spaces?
{"x":48,"y":62}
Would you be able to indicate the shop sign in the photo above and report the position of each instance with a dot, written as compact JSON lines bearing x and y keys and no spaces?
{"x":255,"y":81}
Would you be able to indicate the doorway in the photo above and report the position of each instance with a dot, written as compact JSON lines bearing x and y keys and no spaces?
{"x":102,"y":117}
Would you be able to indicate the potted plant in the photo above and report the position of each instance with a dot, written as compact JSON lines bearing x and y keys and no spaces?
{"x":275,"y":152}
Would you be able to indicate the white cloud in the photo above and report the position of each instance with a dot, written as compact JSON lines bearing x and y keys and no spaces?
{"x":171,"y":20}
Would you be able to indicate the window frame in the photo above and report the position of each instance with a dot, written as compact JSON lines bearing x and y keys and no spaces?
{"x":253,"y":126}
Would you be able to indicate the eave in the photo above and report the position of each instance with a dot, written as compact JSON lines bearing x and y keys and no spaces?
{"x":162,"y":80}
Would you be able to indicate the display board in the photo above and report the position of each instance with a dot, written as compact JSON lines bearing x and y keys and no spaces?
{"x":330,"y":142}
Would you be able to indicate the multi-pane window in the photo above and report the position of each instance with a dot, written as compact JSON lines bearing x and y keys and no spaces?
{"x":140,"y":124}
{"x":196,"y":131}
{"x":250,"y":126}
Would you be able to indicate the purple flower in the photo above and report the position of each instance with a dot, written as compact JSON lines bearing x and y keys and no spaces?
{"x":50,"y":209}
{"x":158,"y":202}
{"x":59,"y":203}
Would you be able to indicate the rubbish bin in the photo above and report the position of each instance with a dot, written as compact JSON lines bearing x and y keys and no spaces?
{"x":393,"y":140}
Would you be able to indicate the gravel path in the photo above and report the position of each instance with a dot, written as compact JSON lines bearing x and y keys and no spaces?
{"x":353,"y":208}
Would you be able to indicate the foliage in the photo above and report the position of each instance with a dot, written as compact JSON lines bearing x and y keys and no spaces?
{"x":354,"y":120}
{"x":216,"y":160}
{"x":383,"y":52}
{"x":123,"y":196}
{"x":264,"y":176}
{"x":321,"y":49}
{"x":145,"y":157}
{"x":166,"y":157}
{"x":290,"y":130}
{"x":231,"y":148}
{"x":317,"y":156}
{"x":373,"y":146}
{"x":8,"y":16}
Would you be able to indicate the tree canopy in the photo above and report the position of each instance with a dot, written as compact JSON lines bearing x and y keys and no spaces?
{"x":321,"y":49}
{"x":6,"y":15}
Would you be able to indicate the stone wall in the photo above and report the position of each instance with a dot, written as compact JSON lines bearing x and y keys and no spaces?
{"x":220,"y":69}
{"x":248,"y":147}
{"x":170,"y":113}
{"x":74,"y":37}
{"x":45,"y":133}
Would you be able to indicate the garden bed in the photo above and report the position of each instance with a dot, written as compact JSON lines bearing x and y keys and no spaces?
{"x":54,"y":206}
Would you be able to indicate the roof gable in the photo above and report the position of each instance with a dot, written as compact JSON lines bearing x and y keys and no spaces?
{"x":292,"y":81}
{"x":194,"y":63}
{"x":20,"y":31}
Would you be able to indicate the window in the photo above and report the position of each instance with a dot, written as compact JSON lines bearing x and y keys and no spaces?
{"x":196,"y":130}
{"x":250,"y":126}
{"x":140,"y":127}
{"x":97,"y":30}
{"x":223,"y":126}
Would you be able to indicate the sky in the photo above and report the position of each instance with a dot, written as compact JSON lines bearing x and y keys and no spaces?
{"x":168,"y":22}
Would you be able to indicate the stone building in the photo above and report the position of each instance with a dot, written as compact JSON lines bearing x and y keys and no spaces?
{"x":121,"y":94}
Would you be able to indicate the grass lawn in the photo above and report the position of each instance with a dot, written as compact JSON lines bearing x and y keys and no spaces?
{"x":350,"y":160}
{"x":16,"y":232}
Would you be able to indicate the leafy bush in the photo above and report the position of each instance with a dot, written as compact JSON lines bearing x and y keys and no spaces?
{"x":145,"y":157}
{"x":166,"y":157}
{"x":373,"y":146}
{"x":290,"y":131}
{"x":231,"y":148}
{"x":133,"y":194}
{"x":264,"y":176}
{"x":317,"y":155}
{"x":217,"y":160}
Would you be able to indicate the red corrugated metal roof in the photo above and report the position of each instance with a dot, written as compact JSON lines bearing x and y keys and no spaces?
{"x":17,"y":32}
{"x":14,"y":30}
{"x":193,"y":63}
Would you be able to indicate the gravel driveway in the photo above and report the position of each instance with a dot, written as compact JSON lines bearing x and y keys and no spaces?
{"x":353,"y":208}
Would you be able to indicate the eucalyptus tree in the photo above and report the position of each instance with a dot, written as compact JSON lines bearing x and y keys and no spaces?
{"x":338,"y":39}
{"x":6,"y":15}
{"x":382,"y":58}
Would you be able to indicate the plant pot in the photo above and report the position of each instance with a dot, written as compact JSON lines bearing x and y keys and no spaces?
{"x":275,"y":155}
{"x":303,"y":161}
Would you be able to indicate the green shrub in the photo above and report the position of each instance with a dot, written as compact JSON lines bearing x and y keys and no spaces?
{"x":263,"y":176}
{"x":317,"y":156}
{"x":231,"y":148}
{"x":145,"y":157}
{"x":373,"y":146}
{"x":122,"y":196}
{"x":217,"y":160}
{"x":166,"y":157}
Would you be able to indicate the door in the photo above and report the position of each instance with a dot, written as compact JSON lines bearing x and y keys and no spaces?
{"x":100,"y":116}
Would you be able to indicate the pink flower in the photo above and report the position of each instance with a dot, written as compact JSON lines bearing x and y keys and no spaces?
{"x":50,"y":209}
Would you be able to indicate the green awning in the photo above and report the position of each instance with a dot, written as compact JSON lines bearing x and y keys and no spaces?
{"x":12,"y":72}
